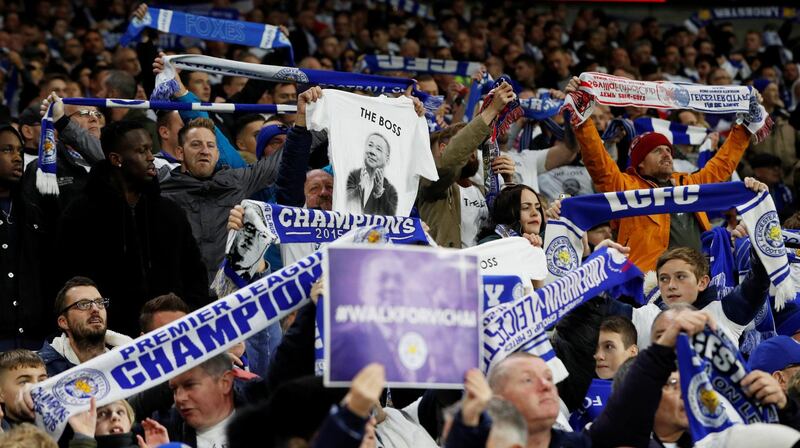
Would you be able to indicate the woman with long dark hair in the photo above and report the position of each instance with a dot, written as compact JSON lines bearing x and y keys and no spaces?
{"x":516,"y":211}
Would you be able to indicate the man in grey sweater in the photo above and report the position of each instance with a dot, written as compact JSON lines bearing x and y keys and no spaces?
{"x":206,"y":195}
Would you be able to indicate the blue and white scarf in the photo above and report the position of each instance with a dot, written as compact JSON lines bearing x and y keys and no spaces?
{"x":676,"y":133}
{"x":175,"y":348}
{"x":46,"y":179}
{"x":377,"y":63}
{"x":679,"y":134}
{"x":265,"y":224}
{"x":563,"y":236}
{"x":717,"y":245}
{"x":237,"y":32}
{"x":542,"y":107}
{"x":522,"y":325}
{"x":304,"y":225}
{"x":593,"y":404}
{"x":620,"y":92}
{"x":711,"y":371}
{"x":166,"y":86}
{"x":615,"y":125}
{"x":704,"y":17}
{"x":500,"y":289}
{"x":476,"y":92}
{"x":490,"y":150}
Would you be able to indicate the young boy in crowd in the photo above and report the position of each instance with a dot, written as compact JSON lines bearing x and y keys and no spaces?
{"x":616,"y":344}
{"x":17,"y":368}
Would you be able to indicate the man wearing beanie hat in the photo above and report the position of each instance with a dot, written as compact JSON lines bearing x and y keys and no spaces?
{"x":651,"y":167}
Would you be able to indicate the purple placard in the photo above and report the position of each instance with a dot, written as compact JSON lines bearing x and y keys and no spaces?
{"x":417,"y":311}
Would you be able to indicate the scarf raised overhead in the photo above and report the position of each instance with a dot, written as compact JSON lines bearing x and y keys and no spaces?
{"x":46,"y":176}
{"x":237,"y":32}
{"x":563,"y":236}
{"x":166,"y":86}
{"x":620,"y":92}
{"x":376,"y":63}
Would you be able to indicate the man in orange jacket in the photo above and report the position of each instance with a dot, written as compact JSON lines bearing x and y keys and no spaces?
{"x":649,"y":236}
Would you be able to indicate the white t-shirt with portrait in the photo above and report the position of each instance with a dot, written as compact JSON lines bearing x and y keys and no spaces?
{"x":528,"y":165}
{"x":378,"y":147}
{"x":474,"y":214}
{"x":573,"y":180}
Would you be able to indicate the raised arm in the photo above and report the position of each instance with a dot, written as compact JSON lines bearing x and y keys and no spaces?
{"x":228,"y":156}
{"x":296,"y":154}
{"x":463,"y":144}
{"x":563,"y":152}
{"x":602,"y":168}
{"x":720,"y":167}
{"x":70,"y":133}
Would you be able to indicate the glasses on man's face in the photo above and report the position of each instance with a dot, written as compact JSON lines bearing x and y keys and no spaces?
{"x":86,"y":304}
{"x":83,"y":113}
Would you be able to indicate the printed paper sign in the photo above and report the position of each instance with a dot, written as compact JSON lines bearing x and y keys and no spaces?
{"x":414,"y":310}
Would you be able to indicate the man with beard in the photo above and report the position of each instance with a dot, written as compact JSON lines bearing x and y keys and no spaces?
{"x":452,"y":206}
{"x":147,"y":245}
{"x":82,"y":318}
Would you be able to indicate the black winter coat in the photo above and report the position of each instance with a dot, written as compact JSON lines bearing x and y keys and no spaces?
{"x":133,"y":253}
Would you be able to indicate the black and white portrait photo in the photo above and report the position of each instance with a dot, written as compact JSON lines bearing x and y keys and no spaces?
{"x":368,"y":189}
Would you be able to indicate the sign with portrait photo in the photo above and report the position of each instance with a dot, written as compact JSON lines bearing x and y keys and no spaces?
{"x":417,"y":311}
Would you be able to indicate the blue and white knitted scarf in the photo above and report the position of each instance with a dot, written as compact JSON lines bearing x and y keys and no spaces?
{"x":618,"y":91}
{"x":377,"y":63}
{"x":175,"y":348}
{"x":166,"y":86}
{"x":563,"y":236}
{"x":522,"y":325}
{"x":46,"y":179}
{"x":237,"y":32}
{"x":711,"y":371}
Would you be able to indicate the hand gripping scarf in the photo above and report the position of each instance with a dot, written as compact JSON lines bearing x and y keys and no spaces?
{"x":166,"y":86}
{"x":563,"y":236}
{"x":490,"y":150}
{"x":175,"y":348}
{"x":266,"y":224}
{"x":46,"y":179}
{"x":522,"y":325}
{"x":617,"y":91}
{"x":711,"y":371}
{"x":237,"y":32}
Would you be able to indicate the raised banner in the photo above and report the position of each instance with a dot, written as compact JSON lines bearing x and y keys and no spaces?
{"x":562,"y":240}
{"x":175,"y":348}
{"x":303,"y":225}
{"x":239,"y":32}
{"x":522,"y":325}
{"x":617,"y":91}
{"x":414,"y":310}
